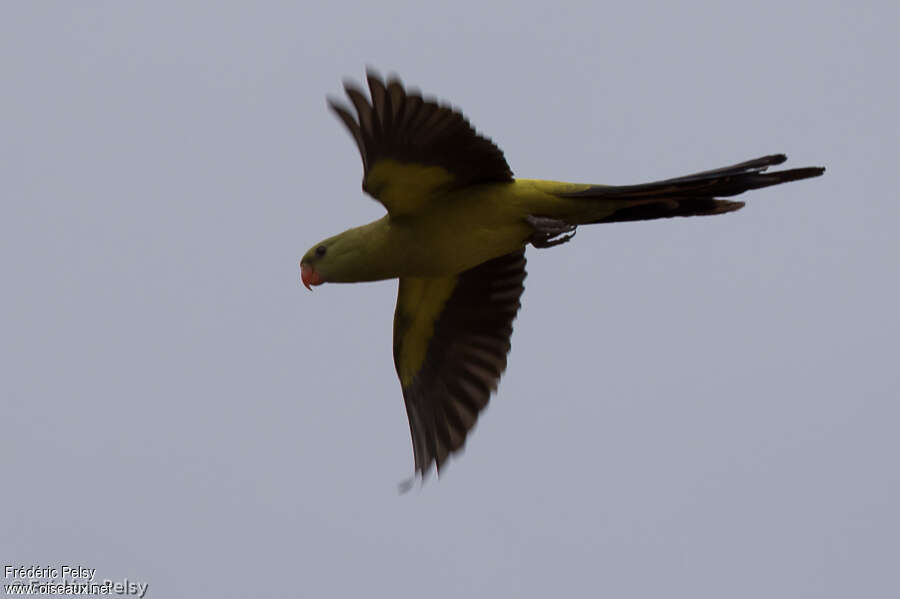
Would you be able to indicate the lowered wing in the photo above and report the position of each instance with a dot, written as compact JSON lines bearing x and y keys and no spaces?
{"x":451,"y":337}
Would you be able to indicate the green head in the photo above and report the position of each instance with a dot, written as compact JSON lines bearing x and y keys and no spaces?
{"x":349,"y":257}
{"x":323,"y":262}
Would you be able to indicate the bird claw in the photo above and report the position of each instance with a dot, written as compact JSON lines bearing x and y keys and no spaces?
{"x":546,"y":229}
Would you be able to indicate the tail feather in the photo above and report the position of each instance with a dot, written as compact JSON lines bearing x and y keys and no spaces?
{"x":694,"y":195}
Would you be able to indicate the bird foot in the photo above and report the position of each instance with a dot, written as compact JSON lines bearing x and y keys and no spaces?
{"x":546,"y":229}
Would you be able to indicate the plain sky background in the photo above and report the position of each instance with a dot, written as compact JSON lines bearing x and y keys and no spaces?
{"x":693,"y":408}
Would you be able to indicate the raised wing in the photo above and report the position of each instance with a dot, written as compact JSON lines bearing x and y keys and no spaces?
{"x":412,"y":147}
{"x":451,"y":337}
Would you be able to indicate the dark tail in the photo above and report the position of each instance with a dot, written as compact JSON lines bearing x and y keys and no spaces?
{"x":694,"y":195}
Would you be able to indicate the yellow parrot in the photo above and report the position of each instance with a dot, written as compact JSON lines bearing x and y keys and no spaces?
{"x":454,"y":235}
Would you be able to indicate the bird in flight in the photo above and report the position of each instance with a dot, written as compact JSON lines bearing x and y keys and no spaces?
{"x":455,"y":233}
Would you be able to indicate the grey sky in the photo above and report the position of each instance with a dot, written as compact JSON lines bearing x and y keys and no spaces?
{"x":693,"y":408}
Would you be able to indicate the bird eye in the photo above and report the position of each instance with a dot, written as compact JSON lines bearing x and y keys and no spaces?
{"x":320,"y":251}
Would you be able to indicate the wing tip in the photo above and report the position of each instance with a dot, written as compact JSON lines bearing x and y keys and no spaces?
{"x":352,"y":88}
{"x":336,"y":104}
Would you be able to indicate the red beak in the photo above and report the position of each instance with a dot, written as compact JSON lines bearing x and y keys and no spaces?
{"x":309,"y":276}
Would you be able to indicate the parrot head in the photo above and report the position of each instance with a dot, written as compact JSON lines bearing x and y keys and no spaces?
{"x":336,"y":259}
{"x":353,"y":256}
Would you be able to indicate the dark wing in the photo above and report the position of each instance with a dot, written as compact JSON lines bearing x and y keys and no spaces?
{"x":412,"y":147}
{"x":451,"y":337}
{"x":694,"y":195}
